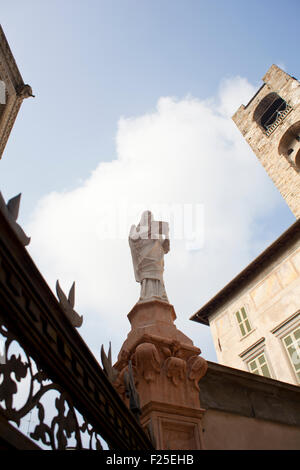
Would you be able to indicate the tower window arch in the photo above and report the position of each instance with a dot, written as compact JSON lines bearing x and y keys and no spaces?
{"x":297,"y":160}
{"x":289,"y":145}
{"x":270,"y":112}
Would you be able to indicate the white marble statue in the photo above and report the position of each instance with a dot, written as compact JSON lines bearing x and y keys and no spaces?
{"x":149,"y":242}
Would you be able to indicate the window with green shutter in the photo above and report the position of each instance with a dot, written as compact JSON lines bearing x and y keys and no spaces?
{"x":259,"y":366}
{"x":292,"y":346}
{"x":243,"y":321}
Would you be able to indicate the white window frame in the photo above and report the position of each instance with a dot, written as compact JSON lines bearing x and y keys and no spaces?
{"x":295,"y":361}
{"x":286,"y":328}
{"x":259,"y":366}
{"x":253,"y":353}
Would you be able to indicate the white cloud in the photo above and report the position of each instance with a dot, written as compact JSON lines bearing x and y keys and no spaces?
{"x":187,"y":151}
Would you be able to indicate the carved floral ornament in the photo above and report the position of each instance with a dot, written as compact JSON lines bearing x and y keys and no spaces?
{"x":175,"y":369}
{"x":149,"y":360}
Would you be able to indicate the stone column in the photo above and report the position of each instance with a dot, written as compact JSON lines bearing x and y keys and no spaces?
{"x":166,"y":369}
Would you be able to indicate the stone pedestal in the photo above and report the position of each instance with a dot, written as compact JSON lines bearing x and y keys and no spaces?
{"x":166,"y":368}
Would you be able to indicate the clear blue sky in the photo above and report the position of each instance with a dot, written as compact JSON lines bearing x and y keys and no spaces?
{"x":90,"y":62}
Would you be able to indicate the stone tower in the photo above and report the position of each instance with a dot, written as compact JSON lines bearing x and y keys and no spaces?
{"x":270,"y":123}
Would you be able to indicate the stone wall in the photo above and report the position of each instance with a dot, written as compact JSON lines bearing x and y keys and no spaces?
{"x":246,"y":411}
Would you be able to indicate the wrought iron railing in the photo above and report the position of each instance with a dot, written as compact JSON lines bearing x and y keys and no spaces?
{"x":48,"y":376}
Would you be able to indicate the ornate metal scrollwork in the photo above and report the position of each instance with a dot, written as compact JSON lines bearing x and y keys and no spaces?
{"x":67,"y":428}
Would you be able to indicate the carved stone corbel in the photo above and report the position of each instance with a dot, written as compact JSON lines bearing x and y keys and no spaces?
{"x":175,"y":369}
{"x":196,"y":369}
{"x":147,"y":361}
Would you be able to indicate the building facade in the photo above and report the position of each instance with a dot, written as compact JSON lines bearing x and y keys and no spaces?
{"x":255,"y":319}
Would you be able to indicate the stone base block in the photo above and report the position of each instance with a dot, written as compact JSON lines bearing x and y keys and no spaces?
{"x":173,"y":427}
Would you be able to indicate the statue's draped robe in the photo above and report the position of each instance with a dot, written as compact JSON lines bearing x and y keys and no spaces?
{"x":148,"y":262}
